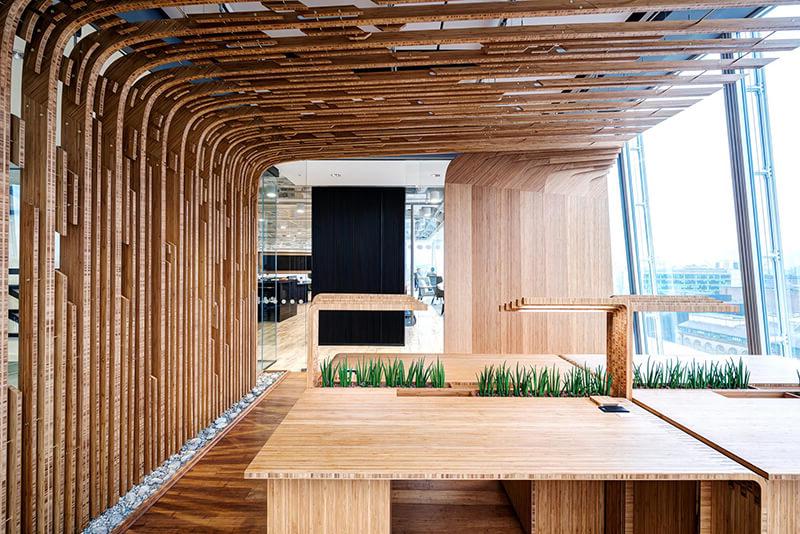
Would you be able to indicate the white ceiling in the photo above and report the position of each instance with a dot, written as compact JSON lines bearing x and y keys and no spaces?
{"x":379,"y":173}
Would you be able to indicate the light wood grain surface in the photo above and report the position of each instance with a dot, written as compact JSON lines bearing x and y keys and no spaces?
{"x":366,"y":302}
{"x":372,"y":433}
{"x":152,"y":183}
{"x":762,"y":433}
{"x":522,"y":224}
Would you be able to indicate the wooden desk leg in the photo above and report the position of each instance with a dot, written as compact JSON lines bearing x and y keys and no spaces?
{"x":328,"y":506}
{"x":567,"y":506}
{"x":312,"y":361}
{"x":619,"y":352}
{"x":734,"y":507}
{"x":782,"y":502}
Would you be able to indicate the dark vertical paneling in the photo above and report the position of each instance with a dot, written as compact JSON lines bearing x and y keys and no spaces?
{"x":358,"y":246}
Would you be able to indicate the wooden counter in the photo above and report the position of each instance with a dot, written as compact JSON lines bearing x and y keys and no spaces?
{"x":351,"y":443}
{"x":765,"y":371}
{"x":761,"y":433}
{"x":462,"y":369}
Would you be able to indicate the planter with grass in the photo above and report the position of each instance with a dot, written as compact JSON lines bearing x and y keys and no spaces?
{"x":376,"y":373}
{"x":674,"y":374}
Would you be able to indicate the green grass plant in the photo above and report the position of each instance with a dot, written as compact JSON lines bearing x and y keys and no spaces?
{"x":327,"y":371}
{"x":674,"y":374}
{"x":502,"y":381}
{"x":486,"y":381}
{"x":553,"y":383}
{"x":362,"y":372}
{"x":421,"y":374}
{"x":395,"y":373}
{"x":521,"y":381}
{"x":375,"y":373}
{"x":437,"y":374}
{"x":345,"y":374}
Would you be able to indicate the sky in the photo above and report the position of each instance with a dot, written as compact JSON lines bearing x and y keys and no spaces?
{"x":689,"y":183}
{"x":783,"y":80}
{"x":688,"y":170}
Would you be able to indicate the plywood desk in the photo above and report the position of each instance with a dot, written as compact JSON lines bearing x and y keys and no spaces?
{"x":463,"y":369}
{"x":348,"y":445}
{"x":761,"y":433}
{"x":765,"y":371}
{"x":348,"y":302}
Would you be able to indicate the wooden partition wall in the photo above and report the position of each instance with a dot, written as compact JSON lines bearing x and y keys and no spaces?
{"x":524,"y":225}
{"x":138,"y":272}
{"x":141,"y":142}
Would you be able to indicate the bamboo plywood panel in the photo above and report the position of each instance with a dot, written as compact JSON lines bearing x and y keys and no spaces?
{"x":153,"y":189}
{"x":329,"y":506}
{"x":568,"y":506}
{"x":783,"y":510}
{"x":518,"y":241}
{"x":762,"y":433}
{"x":472,"y":440}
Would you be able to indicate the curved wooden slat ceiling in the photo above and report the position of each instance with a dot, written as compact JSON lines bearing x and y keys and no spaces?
{"x":357,"y":83}
{"x":144,"y":163}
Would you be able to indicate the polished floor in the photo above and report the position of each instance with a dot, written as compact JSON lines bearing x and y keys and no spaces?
{"x":214,"y":497}
{"x":289,"y":353}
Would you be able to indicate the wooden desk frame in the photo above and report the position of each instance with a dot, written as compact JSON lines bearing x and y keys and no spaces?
{"x":348,"y":302}
{"x":619,"y":311}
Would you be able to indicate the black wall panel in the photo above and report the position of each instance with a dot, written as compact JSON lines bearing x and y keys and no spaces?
{"x":271,"y":262}
{"x":358,"y":246}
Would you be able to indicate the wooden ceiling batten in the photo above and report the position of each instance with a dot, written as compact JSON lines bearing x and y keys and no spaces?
{"x":162,"y":147}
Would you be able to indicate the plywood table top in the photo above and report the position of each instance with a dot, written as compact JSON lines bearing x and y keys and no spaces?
{"x":764,"y":370}
{"x":367,"y":302}
{"x":364,"y":433}
{"x":464,"y":368}
{"x":763,"y":433}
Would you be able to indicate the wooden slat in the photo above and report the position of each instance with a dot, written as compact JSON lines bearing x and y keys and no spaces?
{"x":17,"y":141}
{"x":62,"y":192}
{"x":15,"y":446}
{"x":146,"y":331}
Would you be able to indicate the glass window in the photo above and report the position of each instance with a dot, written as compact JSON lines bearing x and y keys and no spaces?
{"x":782,"y":78}
{"x":684,"y":229}
{"x":769,"y":117}
{"x":619,"y":253}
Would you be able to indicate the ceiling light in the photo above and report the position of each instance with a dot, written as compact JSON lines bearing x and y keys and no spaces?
{"x":283,"y":227}
{"x":435,"y":196}
{"x":300,"y":209}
